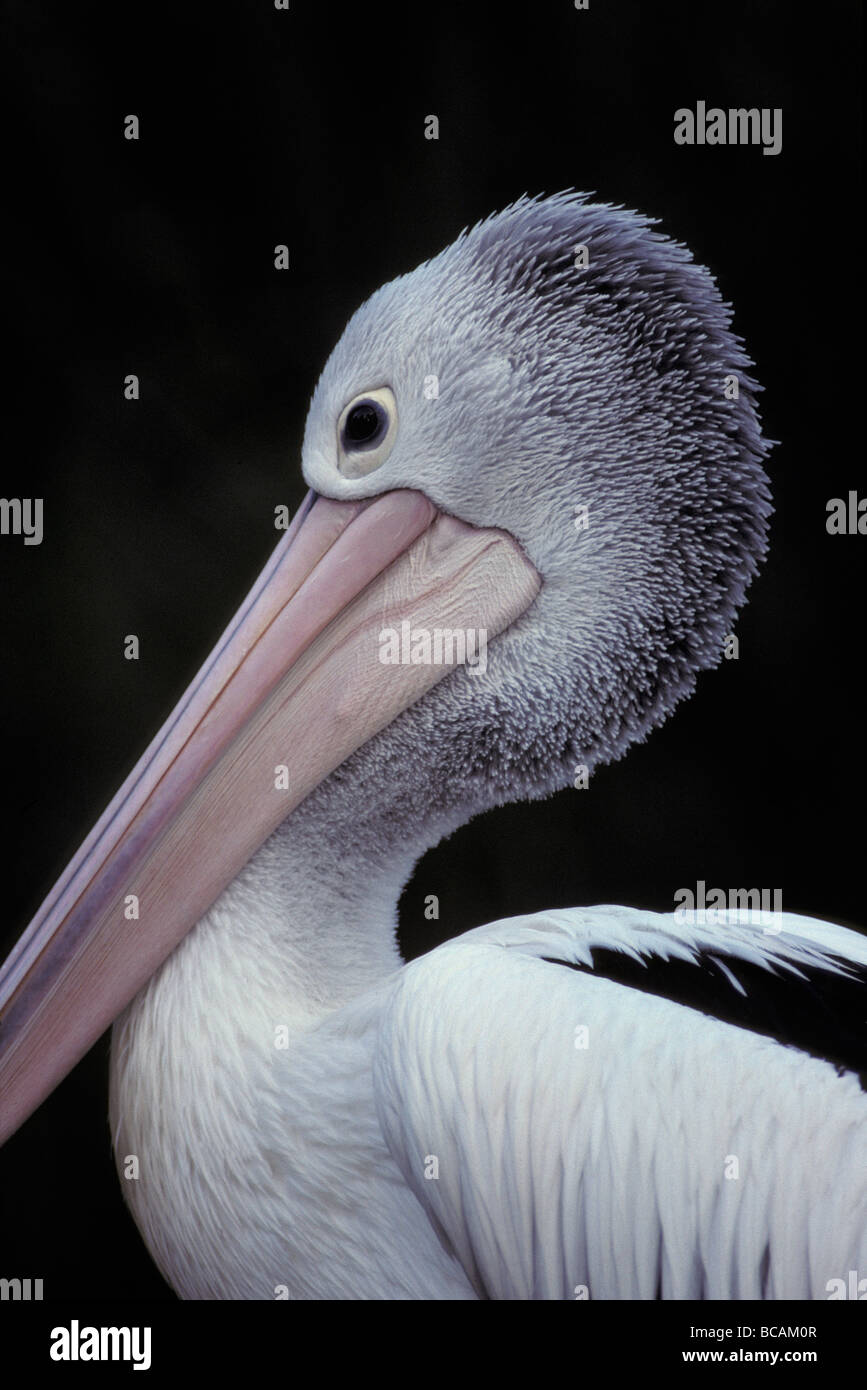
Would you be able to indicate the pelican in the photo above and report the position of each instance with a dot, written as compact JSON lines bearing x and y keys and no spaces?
{"x":528,"y":437}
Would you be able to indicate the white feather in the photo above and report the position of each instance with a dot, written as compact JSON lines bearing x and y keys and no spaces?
{"x":635,"y":1131}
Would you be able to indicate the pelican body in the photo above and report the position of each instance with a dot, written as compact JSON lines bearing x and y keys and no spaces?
{"x":588,"y":1103}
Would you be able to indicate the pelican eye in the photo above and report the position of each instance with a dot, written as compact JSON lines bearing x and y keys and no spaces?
{"x":366,"y":431}
{"x":365,"y":425}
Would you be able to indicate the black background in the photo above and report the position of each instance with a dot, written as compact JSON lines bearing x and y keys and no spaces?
{"x":260,"y":127}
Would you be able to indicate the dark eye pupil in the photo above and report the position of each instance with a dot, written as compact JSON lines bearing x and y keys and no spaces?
{"x":363,"y":423}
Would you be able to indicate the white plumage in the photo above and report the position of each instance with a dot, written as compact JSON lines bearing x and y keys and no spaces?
{"x":668,"y":1155}
{"x":671,"y":1156}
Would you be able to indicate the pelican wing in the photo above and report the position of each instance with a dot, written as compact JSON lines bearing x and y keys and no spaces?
{"x":608,"y":1103}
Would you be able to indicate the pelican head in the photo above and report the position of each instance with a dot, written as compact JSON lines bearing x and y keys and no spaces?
{"x":587,"y":411}
{"x":548,"y":434}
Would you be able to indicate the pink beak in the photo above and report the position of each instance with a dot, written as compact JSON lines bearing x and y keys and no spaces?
{"x":296,"y":682}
